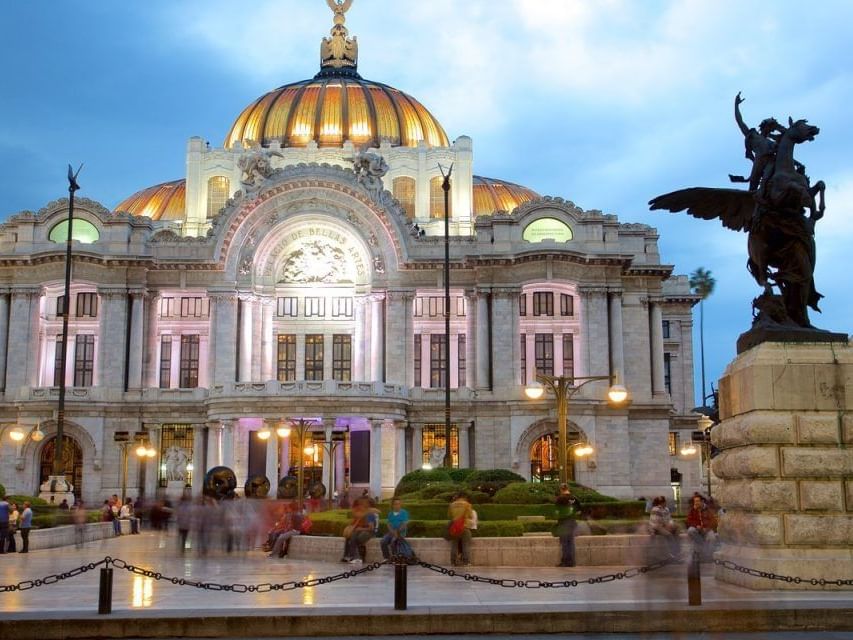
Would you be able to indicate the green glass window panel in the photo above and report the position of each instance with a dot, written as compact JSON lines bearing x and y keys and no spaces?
{"x":547,"y":228}
{"x":83,"y":231}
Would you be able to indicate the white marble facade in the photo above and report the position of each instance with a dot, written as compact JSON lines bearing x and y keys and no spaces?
{"x":314,"y":297}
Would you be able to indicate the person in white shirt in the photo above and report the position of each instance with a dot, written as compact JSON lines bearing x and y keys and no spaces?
{"x":126,"y":513}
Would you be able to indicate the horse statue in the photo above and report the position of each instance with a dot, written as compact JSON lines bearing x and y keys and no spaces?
{"x":781,"y":238}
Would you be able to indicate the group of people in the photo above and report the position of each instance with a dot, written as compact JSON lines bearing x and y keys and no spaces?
{"x":113,"y":510}
{"x":701,"y":523}
{"x":13,"y":521}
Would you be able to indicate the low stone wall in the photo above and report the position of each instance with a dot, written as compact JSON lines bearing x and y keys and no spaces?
{"x":609,"y":550}
{"x":63,"y":536}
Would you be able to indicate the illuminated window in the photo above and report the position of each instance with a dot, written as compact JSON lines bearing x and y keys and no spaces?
{"x":547,"y":229}
{"x":673,"y":443}
{"x":417,"y":359}
{"x":165,"y":362}
{"x":83,"y":231}
{"x":432,"y":443}
{"x":543,"y":303}
{"x":217,"y":194}
{"x":286,"y":358}
{"x":314,"y":356}
{"x":568,"y":355}
{"x":437,"y":360}
{"x":84,"y":360}
{"x":544,"y":353}
{"x":436,"y":199}
{"x":342,"y":357}
{"x":404,"y":191}
{"x":87,"y":305}
{"x":189,"y":362}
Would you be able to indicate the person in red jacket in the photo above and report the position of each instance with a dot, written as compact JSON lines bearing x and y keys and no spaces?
{"x":701,"y":524}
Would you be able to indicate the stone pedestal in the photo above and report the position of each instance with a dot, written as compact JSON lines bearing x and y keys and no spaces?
{"x":786,"y":464}
{"x":56,"y":489}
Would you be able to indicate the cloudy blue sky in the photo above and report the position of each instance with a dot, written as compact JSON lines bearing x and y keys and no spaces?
{"x":606,"y":103}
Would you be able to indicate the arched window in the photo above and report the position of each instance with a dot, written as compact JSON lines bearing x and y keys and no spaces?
{"x":82,"y":231}
{"x":404,"y":191}
{"x":217,"y":194}
{"x":436,"y":199}
{"x":547,"y":229}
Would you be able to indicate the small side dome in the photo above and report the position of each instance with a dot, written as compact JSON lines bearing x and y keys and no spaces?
{"x":491,"y":195}
{"x":164,"y":201}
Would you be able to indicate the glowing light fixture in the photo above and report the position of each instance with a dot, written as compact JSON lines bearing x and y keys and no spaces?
{"x":17,"y":434}
{"x":37,"y":435}
{"x":190,"y":466}
{"x":264,"y":434}
{"x":534,"y":390}
{"x":282,"y":432}
{"x":427,"y":466}
{"x":688,"y":449}
{"x":309,"y":450}
{"x":617,"y":394}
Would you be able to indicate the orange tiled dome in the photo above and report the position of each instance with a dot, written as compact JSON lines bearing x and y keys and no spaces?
{"x":161,"y":202}
{"x":492,"y":195}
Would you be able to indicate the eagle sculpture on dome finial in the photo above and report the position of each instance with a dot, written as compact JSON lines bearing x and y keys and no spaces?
{"x":339,"y":51}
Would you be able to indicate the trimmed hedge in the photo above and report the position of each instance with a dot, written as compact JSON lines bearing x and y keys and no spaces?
{"x":544,"y":493}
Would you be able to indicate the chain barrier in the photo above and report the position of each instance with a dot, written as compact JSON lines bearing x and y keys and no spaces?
{"x":731,"y":566}
{"x":53,"y":578}
{"x":511,"y":583}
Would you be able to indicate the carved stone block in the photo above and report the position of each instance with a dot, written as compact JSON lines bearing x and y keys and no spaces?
{"x":750,"y":528}
{"x":821,"y":495}
{"x":748,"y":462}
{"x":849,"y":487}
{"x":811,"y":462}
{"x":847,"y":424}
{"x":823,"y":531}
{"x":753,"y":428}
{"x":759,"y":495}
{"x":817,"y":429}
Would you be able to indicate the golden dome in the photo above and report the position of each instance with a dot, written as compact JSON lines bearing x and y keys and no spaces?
{"x":160,"y":202}
{"x":491,"y":195}
{"x":332,"y":108}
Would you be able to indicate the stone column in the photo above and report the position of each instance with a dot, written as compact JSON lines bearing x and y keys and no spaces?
{"x":470,"y":340}
{"x":152,"y":339}
{"x":4,"y":335}
{"x":23,"y":336}
{"x":656,"y":327}
{"x":389,"y":458}
{"x":198,"y":459}
{"x":482,"y":339}
{"x":327,"y":461}
{"x":377,"y":337}
{"x":417,"y":446}
{"x":112,"y":334}
{"x":134,"y":364}
{"x":272,"y":460}
{"x":152,"y":472}
{"x":464,"y":446}
{"x":505,"y":342}
{"x":595,"y":341}
{"x":245,"y":373}
{"x":223,"y":337}
{"x":785,"y":465}
{"x":227,"y":447}
{"x":267,"y":343}
{"x":358,"y":340}
{"x":400,"y":338}
{"x":617,"y":353}
{"x":340,"y":468}
{"x":214,"y":444}
{"x":399,"y":453}
{"x":376,"y":458}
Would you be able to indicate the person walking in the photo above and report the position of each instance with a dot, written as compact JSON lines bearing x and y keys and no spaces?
{"x":25,"y":524}
{"x":568,"y":511}
{"x":459,"y":530}
{"x":14,"y":517}
{"x":4,"y":522}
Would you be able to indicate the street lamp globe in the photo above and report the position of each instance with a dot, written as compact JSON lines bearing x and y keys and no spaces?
{"x":309,"y":450}
{"x":17,"y":434}
{"x":37,"y":435}
{"x":282,"y":432}
{"x":142,"y":450}
{"x":617,"y":394}
{"x":688,"y":450}
{"x":264,"y":433}
{"x":584,"y":450}
{"x":534,"y":390}
{"x":151,"y":452}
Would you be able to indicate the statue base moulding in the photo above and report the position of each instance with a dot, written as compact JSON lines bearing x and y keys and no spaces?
{"x":786,"y":465}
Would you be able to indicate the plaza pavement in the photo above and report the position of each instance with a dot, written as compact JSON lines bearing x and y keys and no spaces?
{"x":144,"y":606}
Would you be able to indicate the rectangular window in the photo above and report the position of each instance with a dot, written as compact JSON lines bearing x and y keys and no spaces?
{"x":462,"y":360}
{"x":286,"y":358}
{"x":567,"y":305}
{"x":57,"y":362}
{"x":544,"y":353}
{"x":315,"y":307}
{"x":419,"y":307}
{"x":417,"y":359}
{"x":461,"y":306}
{"x":666,"y":329}
{"x":87,"y":305}
{"x":165,"y":362}
{"x":167,"y":307}
{"x":342,"y":307}
{"x":176,"y":454}
{"x":84,"y":360}
{"x":189,"y":362}
{"x":437,"y":360}
{"x":287,"y":307}
{"x":314,"y":356}
{"x":523,"y":357}
{"x":436,"y":306}
{"x":193,"y":307}
{"x":522,"y":304}
{"x":432,"y":443}
{"x":568,"y":355}
{"x":342,"y":357}
{"x":543,"y":303}
{"x":673,"y":443}
{"x":60,"y":306}
{"x":667,"y":372}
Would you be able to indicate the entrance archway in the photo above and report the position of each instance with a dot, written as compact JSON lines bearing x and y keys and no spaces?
{"x":72,"y":462}
{"x":543,"y":457}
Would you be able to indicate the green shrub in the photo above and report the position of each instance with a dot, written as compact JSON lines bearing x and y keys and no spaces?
{"x":436,"y":489}
{"x":460,"y":475}
{"x":34,"y":501}
{"x":2,"y":490}
{"x":419,"y":479}
{"x":544,"y":493}
{"x":446,"y":497}
{"x":479,"y":497}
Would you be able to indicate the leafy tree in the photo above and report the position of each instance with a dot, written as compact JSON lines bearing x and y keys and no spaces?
{"x":702,"y":284}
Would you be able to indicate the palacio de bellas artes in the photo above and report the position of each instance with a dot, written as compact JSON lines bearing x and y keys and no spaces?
{"x":294,"y":278}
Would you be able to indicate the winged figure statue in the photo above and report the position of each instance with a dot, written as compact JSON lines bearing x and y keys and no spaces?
{"x":778,"y":211}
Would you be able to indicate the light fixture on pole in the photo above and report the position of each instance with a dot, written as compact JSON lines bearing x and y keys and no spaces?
{"x":563,"y":388}
{"x":301,"y":427}
{"x":17,"y":434}
{"x":445,"y":186}
{"x":702,"y":437}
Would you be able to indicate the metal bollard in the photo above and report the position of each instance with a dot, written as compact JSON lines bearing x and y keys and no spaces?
{"x":694,"y":581}
{"x":400,"y":575}
{"x":105,"y":593}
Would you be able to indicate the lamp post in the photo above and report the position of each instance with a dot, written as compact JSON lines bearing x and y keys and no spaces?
{"x":35,"y":434}
{"x":702,"y":437}
{"x":144,"y":451}
{"x":445,"y":186}
{"x":301,"y":427}
{"x":563,"y":388}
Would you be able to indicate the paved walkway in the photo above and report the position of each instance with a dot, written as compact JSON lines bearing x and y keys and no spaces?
{"x":371,"y":593}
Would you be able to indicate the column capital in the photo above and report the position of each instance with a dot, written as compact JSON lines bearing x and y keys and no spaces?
{"x":506,"y":292}
{"x":222,"y":296}
{"x":592,"y":290}
{"x":376,"y":296}
{"x":26,"y":290}
{"x":400,"y":294}
{"x":112,"y":292}
{"x":615,"y":292}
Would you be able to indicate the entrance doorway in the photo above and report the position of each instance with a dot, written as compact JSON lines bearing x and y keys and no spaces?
{"x":72,"y":462}
{"x":543,"y":458}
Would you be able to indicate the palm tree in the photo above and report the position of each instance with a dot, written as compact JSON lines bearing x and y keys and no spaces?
{"x":702,"y":284}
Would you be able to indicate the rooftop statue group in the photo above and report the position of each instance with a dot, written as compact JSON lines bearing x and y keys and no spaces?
{"x":778,"y":210}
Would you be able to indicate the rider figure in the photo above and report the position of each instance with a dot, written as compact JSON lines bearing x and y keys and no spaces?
{"x":760,"y":147}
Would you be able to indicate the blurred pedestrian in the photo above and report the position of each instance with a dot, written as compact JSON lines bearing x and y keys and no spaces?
{"x":25,"y":524}
{"x":568,"y":512}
